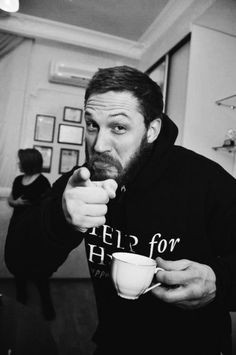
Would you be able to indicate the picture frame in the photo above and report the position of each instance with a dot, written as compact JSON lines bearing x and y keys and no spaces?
{"x":68,"y":159}
{"x":72,"y":114}
{"x":44,"y":128}
{"x":46,"y":152}
{"x":70,"y":134}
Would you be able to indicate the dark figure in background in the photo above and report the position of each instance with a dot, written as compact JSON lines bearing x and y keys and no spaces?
{"x":27,"y":191}
{"x":138,"y":192}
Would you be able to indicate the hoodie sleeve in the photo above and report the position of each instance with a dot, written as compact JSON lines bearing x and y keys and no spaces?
{"x":222,"y":232}
{"x":46,"y":237}
{"x":59,"y":236}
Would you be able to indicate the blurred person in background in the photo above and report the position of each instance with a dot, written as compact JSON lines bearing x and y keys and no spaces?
{"x":27,"y":190}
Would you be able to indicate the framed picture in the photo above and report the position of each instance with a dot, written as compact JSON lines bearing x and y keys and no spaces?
{"x":70,"y":134}
{"x":47,"y":157}
{"x":68,"y":159}
{"x":44,"y":128}
{"x":72,"y":114}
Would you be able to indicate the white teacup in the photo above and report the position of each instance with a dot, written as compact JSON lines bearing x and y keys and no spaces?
{"x":132,"y":274}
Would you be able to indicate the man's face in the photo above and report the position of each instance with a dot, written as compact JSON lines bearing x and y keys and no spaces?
{"x":115,"y":133}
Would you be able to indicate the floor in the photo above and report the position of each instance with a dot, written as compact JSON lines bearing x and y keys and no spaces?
{"x":76,"y":316}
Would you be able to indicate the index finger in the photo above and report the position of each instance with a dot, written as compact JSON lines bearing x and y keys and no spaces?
{"x":80,"y":177}
{"x":174,"y":277}
{"x":91,"y":194}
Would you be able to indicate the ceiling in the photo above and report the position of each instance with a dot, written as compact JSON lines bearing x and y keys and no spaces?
{"x":128,"y":19}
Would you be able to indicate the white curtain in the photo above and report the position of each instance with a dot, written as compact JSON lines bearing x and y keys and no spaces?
{"x":15,"y":54}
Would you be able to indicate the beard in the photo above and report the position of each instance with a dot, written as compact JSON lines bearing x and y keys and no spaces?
{"x":102,"y":166}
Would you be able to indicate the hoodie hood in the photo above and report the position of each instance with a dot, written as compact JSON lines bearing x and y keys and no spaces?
{"x":167,"y":136}
{"x":154,"y":161}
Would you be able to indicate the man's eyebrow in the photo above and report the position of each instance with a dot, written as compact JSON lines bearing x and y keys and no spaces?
{"x":120,"y":113}
{"x":112,"y":115}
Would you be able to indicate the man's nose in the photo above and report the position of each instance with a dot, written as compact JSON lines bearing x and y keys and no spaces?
{"x":102,"y":143}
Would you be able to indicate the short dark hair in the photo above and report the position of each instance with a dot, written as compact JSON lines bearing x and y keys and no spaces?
{"x":31,"y":160}
{"x":125,"y":78}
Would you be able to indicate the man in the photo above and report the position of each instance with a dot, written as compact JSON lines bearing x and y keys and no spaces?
{"x":140,"y":193}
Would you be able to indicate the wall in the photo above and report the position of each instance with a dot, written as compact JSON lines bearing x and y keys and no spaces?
{"x":212,"y":76}
{"x":27,"y":94}
{"x":14,"y":76}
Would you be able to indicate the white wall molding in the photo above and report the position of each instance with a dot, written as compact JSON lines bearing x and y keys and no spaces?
{"x":169,"y":28}
{"x":173,"y":24}
{"x":168,"y":16}
{"x":35,"y":27}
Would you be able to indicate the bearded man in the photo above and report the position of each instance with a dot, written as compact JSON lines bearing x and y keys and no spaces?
{"x":140,"y":193}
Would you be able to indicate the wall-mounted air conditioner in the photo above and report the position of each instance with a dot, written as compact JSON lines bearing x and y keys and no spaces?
{"x":70,"y":74}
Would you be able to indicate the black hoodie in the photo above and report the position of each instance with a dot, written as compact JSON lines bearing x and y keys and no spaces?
{"x":178,"y":205}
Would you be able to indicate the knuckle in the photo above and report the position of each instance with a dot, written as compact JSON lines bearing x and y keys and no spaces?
{"x":79,"y":221}
{"x":195,"y":292}
{"x":198,"y":290}
{"x":75,"y":208}
{"x":102,"y":220}
{"x":167,"y":278}
{"x":70,"y":194}
{"x":167,"y":297}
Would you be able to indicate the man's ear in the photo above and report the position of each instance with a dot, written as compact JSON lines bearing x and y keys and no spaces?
{"x":153,"y":130}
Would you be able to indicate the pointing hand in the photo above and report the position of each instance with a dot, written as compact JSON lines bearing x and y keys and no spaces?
{"x":85,"y":202}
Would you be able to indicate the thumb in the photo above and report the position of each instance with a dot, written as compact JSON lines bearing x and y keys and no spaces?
{"x":110,"y":186}
{"x":80,"y":177}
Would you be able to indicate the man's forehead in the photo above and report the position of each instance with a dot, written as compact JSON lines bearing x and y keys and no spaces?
{"x":112,"y":100}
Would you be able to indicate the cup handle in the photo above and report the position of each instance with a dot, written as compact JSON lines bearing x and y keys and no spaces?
{"x":155,"y":285}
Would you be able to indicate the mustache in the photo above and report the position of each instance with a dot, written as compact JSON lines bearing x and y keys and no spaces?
{"x":104,"y":158}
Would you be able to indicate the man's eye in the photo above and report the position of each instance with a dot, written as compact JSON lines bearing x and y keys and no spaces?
{"x":119,"y":129}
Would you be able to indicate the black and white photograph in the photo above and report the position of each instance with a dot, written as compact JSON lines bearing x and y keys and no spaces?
{"x":117,"y":233}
